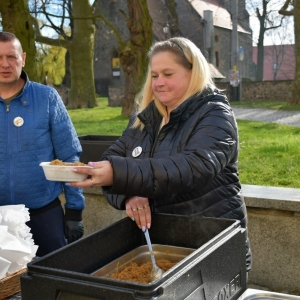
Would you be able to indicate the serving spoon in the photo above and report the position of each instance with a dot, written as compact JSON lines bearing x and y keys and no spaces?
{"x":156,"y":272}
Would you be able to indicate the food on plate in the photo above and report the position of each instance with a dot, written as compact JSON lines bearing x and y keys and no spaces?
{"x":141,"y":272}
{"x":58,"y":162}
{"x":57,"y":170}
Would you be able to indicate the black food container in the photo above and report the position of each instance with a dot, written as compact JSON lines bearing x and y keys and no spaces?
{"x":215,"y":270}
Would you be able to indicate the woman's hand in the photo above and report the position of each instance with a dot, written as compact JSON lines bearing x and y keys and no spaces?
{"x":138,"y":209}
{"x":101,"y":174}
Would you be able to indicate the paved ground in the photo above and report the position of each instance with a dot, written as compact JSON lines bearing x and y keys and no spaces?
{"x":291,"y":118}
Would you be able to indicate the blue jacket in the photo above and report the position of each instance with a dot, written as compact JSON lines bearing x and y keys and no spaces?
{"x":47,"y":134}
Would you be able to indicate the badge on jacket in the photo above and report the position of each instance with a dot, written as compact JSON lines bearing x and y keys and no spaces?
{"x":137,"y":151}
{"x":18,"y":121}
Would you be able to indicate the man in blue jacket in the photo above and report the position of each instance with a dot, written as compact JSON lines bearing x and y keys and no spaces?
{"x":35,"y":127}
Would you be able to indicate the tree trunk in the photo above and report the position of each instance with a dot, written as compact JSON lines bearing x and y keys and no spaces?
{"x":260,"y":56}
{"x":133,"y":53}
{"x":67,"y":79}
{"x":81,"y":49}
{"x":296,"y":89}
{"x":17,"y":20}
{"x":263,"y":17}
{"x":260,"y":44}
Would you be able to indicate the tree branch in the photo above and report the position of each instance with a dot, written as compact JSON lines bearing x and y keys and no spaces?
{"x":283,"y":10}
{"x":45,"y":40}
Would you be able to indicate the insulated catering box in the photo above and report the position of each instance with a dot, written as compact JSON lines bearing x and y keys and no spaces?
{"x":214,"y":270}
{"x":93,"y":146}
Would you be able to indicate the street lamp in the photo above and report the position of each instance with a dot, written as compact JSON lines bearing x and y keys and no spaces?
{"x":166,"y":29}
{"x":241,"y":58}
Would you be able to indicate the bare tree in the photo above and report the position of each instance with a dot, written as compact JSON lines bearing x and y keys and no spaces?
{"x":21,"y":25}
{"x":281,"y":52}
{"x":77,"y":38}
{"x":292,"y":8}
{"x":268,"y":19}
{"x":132,"y":52}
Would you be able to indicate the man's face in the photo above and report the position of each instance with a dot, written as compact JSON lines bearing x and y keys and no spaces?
{"x":11,"y":61}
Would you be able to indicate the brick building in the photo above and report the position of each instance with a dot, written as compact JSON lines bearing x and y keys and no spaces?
{"x":215,"y":41}
{"x":206,"y":22}
{"x":279,"y":62}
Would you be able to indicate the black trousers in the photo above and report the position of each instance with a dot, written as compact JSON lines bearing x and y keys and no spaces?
{"x":47,"y":228}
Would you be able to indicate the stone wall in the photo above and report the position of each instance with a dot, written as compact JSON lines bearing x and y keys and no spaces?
{"x":262,"y":90}
{"x":115,"y":95}
{"x":274,"y":222}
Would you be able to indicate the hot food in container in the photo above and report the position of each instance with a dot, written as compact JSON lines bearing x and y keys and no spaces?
{"x":210,"y":257}
{"x":59,"y":171}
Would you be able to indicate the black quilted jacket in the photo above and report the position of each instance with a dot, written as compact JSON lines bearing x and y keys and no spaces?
{"x":189,"y":167}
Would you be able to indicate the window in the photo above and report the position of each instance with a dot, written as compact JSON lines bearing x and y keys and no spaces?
{"x":116,"y":64}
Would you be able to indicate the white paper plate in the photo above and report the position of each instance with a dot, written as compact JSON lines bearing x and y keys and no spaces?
{"x":62,"y":173}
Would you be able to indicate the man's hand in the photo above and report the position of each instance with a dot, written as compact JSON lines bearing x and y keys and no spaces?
{"x":74,"y":230}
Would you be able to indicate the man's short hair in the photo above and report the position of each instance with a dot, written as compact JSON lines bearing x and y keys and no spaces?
{"x":7,"y":36}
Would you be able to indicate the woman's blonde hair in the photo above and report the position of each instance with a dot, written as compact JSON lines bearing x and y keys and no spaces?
{"x":188,"y":55}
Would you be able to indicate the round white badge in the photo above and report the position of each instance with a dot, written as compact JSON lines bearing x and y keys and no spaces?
{"x":137,"y":151}
{"x":18,"y":121}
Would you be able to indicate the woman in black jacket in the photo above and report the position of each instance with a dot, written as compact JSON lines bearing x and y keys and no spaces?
{"x":179,"y":153}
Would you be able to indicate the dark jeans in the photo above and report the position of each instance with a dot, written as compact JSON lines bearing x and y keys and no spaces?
{"x":47,"y":228}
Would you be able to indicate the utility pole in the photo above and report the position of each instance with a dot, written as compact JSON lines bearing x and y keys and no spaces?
{"x":234,"y":80}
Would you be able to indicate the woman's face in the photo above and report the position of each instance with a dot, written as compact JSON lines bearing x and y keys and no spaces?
{"x":170,"y":80}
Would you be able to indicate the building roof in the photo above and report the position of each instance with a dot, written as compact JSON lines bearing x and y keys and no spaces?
{"x":283,"y":56}
{"x":216,"y":74}
{"x":221,"y":16}
{"x":158,"y":13}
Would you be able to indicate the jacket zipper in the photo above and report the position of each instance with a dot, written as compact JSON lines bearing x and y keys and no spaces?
{"x":151,"y":155}
{"x":155,"y":142}
{"x":154,"y":146}
{"x":10,"y":157}
{"x":156,"y":139}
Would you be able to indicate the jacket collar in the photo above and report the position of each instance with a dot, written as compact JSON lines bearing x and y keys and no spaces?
{"x":150,"y":116}
{"x":22,"y":96}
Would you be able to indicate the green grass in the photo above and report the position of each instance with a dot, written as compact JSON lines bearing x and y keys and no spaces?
{"x":101,"y":120}
{"x":277,"y":105}
{"x":269,"y":152}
